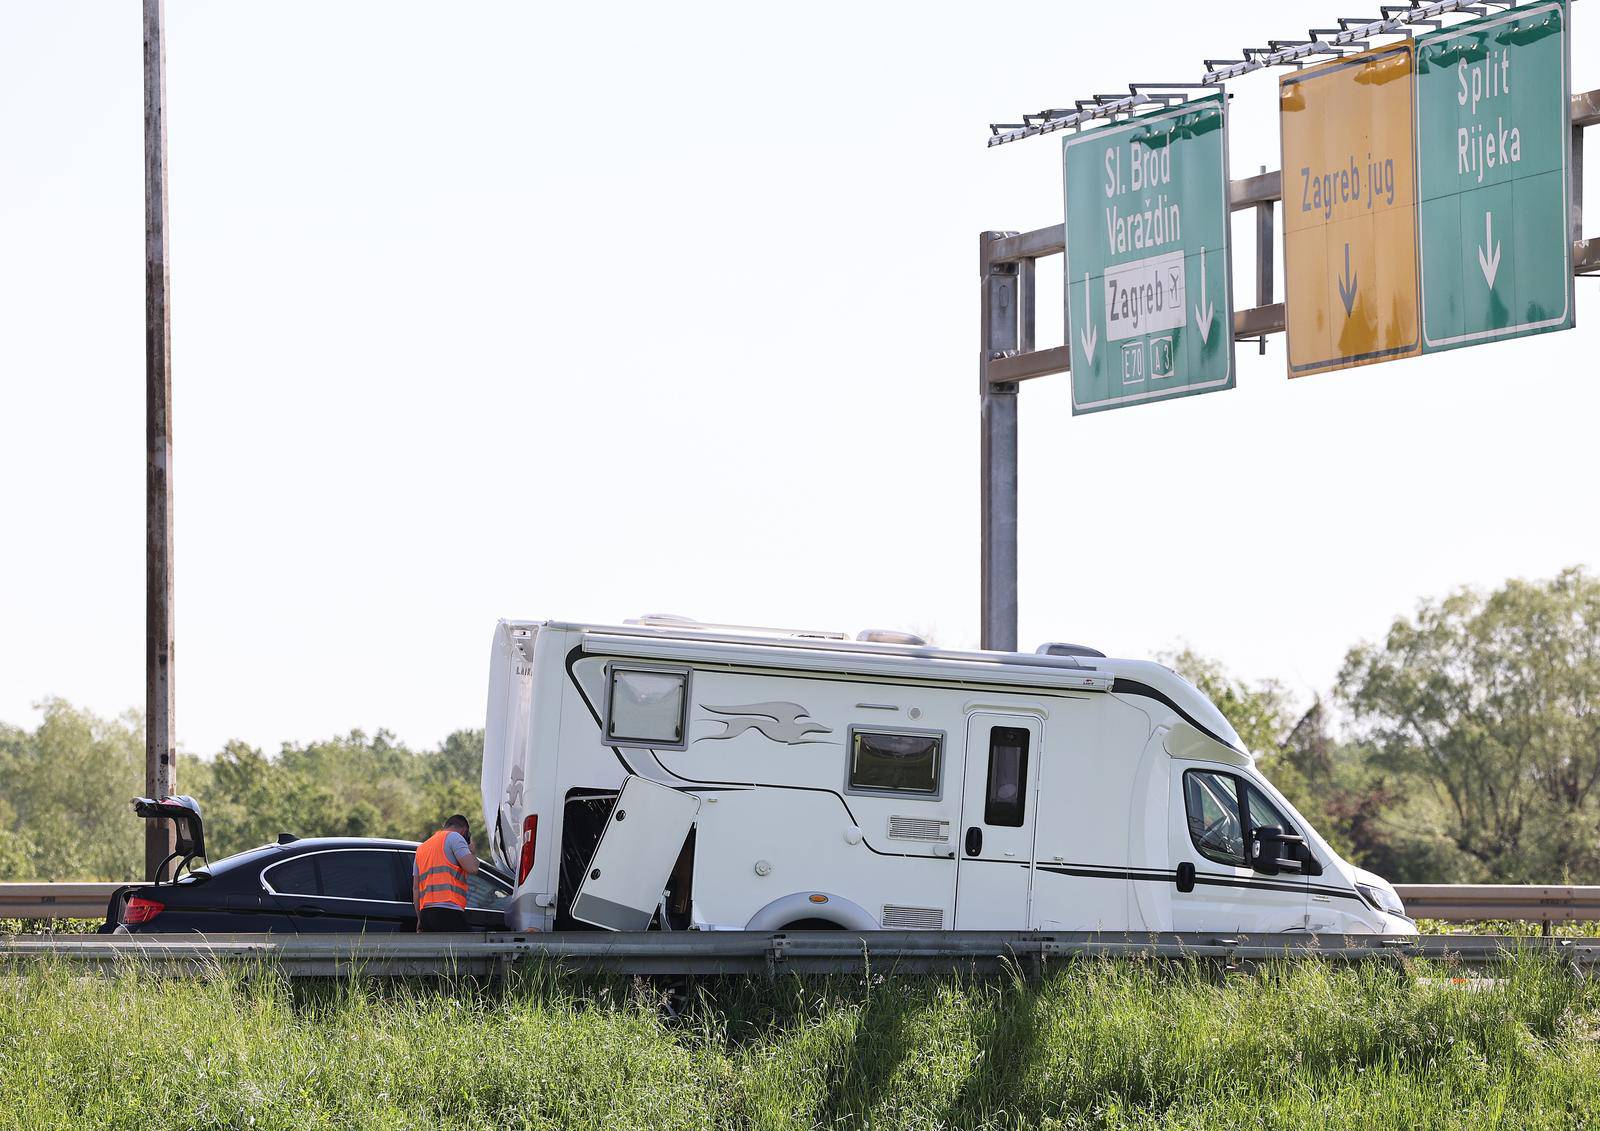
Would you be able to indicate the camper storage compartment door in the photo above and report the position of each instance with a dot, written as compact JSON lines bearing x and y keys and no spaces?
{"x":622,"y":886}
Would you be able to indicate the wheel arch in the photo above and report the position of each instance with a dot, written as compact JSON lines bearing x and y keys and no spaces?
{"x":848,"y":915}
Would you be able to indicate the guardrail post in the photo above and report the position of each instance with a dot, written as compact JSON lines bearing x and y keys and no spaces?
{"x":1001,"y":324}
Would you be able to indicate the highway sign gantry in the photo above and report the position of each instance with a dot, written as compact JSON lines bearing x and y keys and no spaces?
{"x":1148,"y":285}
{"x":1494,"y":137}
{"x":1349,"y":209}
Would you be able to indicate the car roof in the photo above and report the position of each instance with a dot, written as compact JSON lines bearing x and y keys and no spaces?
{"x":325,"y":843}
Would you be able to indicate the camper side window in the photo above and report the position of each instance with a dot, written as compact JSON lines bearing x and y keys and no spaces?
{"x":646,"y":706}
{"x":898,"y":763}
{"x":1004,"y":801}
{"x":1212,"y":801}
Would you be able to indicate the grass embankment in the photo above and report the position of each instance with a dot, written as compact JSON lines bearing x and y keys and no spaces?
{"x":1093,"y":1045}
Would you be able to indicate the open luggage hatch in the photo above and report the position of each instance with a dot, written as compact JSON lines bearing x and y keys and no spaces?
{"x":184,"y":813}
{"x":639,"y":846}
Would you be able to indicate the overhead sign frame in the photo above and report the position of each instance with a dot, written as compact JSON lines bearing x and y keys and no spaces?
{"x":1165,"y":357}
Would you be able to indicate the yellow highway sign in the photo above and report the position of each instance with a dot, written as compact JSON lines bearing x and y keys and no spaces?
{"x":1350,"y":211}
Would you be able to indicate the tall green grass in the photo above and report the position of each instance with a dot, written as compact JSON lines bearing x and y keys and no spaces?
{"x":1102,"y":1044}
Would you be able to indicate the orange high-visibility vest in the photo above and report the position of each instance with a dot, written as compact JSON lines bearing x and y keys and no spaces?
{"x":443,"y":883}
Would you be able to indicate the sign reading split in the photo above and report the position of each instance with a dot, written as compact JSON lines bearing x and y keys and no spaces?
{"x":1148,"y":287}
{"x":1493,"y":159}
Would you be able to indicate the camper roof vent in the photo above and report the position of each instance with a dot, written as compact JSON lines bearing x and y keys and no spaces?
{"x":664,"y":618}
{"x":1056,"y":648}
{"x":889,"y":636}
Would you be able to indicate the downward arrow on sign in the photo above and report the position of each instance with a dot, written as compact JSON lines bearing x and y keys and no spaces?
{"x":1490,"y":264}
{"x":1203,"y":318}
{"x":1092,"y":337}
{"x":1347,"y":285}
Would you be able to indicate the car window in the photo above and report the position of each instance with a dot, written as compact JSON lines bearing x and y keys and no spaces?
{"x":293,"y":877}
{"x":1212,"y":801}
{"x":356,"y":873}
{"x":360,"y":874}
{"x":487,"y":891}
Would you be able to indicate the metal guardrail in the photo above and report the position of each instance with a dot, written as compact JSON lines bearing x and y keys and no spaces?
{"x":1450,"y":903}
{"x":55,"y":901}
{"x":751,"y":952}
{"x":1471,"y":903}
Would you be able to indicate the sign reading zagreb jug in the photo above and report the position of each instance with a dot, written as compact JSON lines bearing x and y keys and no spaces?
{"x":1349,"y":211}
{"x":1148,"y":290}
{"x":1493,"y":136}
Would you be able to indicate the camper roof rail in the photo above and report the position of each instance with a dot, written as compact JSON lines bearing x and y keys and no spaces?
{"x":672,"y":620}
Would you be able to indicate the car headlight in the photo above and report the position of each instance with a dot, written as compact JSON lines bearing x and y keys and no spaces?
{"x":1382,"y":899}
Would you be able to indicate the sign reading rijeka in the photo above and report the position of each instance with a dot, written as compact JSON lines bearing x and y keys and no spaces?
{"x":1493,"y":140}
{"x":1148,"y":287}
{"x":1349,"y":211}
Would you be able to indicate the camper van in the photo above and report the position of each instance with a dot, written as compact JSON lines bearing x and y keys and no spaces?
{"x":673,"y":775}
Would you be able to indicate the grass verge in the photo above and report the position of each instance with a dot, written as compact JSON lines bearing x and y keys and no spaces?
{"x":1096,"y":1044}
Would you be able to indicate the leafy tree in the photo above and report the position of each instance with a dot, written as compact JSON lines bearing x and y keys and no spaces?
{"x":67,"y":786}
{"x":1492,"y":703}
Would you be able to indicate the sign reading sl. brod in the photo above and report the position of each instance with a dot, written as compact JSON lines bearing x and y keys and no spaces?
{"x":1148,"y":290}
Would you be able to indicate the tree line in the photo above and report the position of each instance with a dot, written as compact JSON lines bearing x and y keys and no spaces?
{"x":1462,"y":747}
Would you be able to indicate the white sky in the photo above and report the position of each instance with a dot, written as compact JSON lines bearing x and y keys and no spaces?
{"x":585,"y":311}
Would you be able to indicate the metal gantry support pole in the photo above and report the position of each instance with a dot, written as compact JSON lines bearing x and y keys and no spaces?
{"x":1001,"y":283}
{"x":160,"y":772}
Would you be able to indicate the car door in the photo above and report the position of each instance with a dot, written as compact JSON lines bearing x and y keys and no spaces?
{"x":994,"y":879}
{"x":1213,"y":812}
{"x":344,"y":889}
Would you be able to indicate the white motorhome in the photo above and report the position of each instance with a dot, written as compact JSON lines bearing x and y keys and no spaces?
{"x":666,"y":774}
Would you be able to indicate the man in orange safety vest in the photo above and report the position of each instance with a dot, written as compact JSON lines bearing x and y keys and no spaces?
{"x":439,"y":877}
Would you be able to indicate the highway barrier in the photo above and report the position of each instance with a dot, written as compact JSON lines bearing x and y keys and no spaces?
{"x":55,"y":901}
{"x":1450,"y":903}
{"x":753,"y":952}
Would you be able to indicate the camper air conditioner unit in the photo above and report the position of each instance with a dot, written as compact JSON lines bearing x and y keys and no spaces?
{"x":890,"y":636}
{"x":1057,"y":648}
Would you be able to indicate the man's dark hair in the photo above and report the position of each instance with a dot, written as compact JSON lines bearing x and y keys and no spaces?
{"x":459,"y":823}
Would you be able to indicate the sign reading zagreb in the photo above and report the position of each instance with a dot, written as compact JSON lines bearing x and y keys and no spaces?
{"x":1148,"y":285}
{"x":1349,"y":211}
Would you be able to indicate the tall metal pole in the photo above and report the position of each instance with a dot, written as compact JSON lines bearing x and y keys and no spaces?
{"x":1001,"y":324}
{"x":160,"y":772}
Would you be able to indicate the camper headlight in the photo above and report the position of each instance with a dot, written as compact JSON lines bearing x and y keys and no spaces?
{"x":1381,"y":899}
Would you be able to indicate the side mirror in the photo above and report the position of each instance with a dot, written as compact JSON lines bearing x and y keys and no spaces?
{"x":1273,"y":851}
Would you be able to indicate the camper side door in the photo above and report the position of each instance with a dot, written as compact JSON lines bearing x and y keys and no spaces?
{"x":994,"y":879}
{"x":1213,"y":813}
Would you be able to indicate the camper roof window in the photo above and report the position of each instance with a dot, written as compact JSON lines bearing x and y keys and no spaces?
{"x":645,"y":706}
{"x":890,"y":762}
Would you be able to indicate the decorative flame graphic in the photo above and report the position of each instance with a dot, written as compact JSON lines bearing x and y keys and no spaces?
{"x":788,"y":723}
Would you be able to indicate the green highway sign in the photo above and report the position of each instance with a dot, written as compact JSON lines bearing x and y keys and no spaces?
{"x":1493,"y":157}
{"x":1149,"y":291}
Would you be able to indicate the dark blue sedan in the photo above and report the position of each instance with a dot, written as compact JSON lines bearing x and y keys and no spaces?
{"x":296,"y":885}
